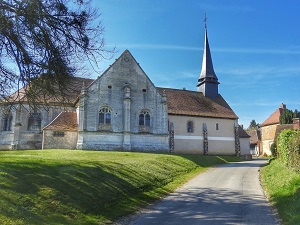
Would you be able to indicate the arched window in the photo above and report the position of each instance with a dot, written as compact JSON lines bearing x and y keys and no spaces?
{"x":190,"y":127}
{"x":7,"y":121}
{"x":105,"y":115}
{"x":144,"y":118}
{"x":34,"y":121}
{"x":217,"y":126}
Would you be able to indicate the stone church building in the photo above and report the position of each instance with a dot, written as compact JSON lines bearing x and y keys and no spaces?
{"x":123,"y":110}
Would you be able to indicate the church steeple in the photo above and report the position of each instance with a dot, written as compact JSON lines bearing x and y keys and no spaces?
{"x":208,"y":81}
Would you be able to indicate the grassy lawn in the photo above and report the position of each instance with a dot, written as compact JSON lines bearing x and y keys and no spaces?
{"x":283,"y":188}
{"x":88,"y":187}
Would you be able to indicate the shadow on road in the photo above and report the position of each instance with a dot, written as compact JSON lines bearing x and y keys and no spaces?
{"x":208,"y":207}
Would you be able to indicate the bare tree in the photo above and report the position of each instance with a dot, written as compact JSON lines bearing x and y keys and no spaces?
{"x":42,"y":43}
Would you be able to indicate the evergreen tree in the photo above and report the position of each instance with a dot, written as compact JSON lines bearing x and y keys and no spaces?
{"x":296,"y":114}
{"x":253,"y":125}
{"x":286,"y":117}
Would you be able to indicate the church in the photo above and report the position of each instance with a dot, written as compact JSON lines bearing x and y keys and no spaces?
{"x":123,"y":110}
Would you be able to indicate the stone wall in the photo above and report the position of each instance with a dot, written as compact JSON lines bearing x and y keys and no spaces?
{"x":59,"y":139}
{"x":269,"y":135}
{"x":20,"y":137}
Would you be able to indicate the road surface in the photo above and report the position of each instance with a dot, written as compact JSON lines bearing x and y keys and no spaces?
{"x":225,"y":195}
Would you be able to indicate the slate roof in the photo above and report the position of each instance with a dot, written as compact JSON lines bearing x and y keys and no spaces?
{"x":65,"y":121}
{"x":207,"y":70}
{"x":193,"y":103}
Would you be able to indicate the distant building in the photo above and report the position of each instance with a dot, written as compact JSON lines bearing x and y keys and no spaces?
{"x":244,"y":141}
{"x":255,"y":141}
{"x":123,"y":110}
{"x":270,"y":129}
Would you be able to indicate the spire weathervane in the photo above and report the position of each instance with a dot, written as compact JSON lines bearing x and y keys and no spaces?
{"x":205,"y":19}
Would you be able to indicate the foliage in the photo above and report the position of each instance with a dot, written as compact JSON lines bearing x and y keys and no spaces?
{"x":274,"y":149}
{"x":288,"y":148}
{"x":88,"y":187}
{"x":296,"y":114}
{"x":286,"y":117}
{"x":49,"y":38}
{"x":253,"y":125}
{"x":283,"y":187}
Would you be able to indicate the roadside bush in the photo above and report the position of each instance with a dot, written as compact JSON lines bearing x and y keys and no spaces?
{"x":288,"y":148}
{"x":274,"y":149}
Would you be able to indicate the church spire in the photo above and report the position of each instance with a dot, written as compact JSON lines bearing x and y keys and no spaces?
{"x":208,"y":81}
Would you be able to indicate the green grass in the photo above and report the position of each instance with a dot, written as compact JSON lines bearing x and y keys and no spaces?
{"x":283,"y":187}
{"x":88,"y":187}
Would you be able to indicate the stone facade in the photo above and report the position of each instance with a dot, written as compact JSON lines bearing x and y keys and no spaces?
{"x":269,"y":134}
{"x":25,"y":129}
{"x":59,"y":139}
{"x":128,"y":96}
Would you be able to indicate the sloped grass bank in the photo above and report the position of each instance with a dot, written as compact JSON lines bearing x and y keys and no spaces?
{"x":88,"y":187}
{"x":283,"y":187}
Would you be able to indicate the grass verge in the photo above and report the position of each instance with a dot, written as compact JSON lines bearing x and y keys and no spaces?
{"x":283,"y":187}
{"x":88,"y":187}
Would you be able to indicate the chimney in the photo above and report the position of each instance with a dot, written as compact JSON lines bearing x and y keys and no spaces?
{"x":283,"y":106}
{"x":296,"y":124}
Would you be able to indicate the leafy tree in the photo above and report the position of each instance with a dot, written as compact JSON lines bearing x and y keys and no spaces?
{"x":253,"y":125}
{"x":50,"y":38}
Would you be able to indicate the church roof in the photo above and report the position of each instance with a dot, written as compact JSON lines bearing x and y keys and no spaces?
{"x":65,"y":121}
{"x":193,"y":103}
{"x":72,"y":92}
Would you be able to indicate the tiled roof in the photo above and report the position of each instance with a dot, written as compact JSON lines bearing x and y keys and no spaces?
{"x":193,"y":103}
{"x":254,"y":136}
{"x":243,"y":133}
{"x":65,"y":121}
{"x":72,"y":92}
{"x":274,"y":118}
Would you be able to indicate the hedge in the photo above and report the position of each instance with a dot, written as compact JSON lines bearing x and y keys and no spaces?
{"x":288,"y":148}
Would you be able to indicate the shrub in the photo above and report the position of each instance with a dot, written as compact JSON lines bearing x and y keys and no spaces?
{"x":289,"y":148}
{"x":274,"y":149}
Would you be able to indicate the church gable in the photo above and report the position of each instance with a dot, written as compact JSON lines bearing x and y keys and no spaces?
{"x":124,"y":72}
{"x":124,"y":88}
{"x":122,"y":109}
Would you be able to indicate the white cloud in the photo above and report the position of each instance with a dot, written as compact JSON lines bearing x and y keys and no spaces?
{"x":257,"y":51}
{"x":157,"y":47}
{"x":227,"y":8}
{"x":144,"y":46}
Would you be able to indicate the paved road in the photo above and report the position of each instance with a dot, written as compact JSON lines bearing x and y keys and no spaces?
{"x":224,"y":195}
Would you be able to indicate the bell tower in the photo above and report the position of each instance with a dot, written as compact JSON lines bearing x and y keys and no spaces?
{"x":208,"y":80}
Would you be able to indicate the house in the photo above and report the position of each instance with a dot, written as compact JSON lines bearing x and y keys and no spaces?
{"x":244,"y":142}
{"x":270,"y":129}
{"x":255,"y":141}
{"x":123,"y":110}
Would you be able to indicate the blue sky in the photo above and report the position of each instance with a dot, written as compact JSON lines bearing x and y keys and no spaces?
{"x":255,"y":47}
